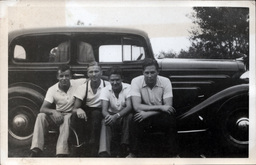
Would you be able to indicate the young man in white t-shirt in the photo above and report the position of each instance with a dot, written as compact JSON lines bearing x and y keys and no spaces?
{"x":62,"y":95}
{"x":116,"y":109}
{"x":87,"y":116}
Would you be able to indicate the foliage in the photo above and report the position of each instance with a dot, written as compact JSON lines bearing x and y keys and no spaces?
{"x":219,"y":33}
{"x":169,"y":54}
{"x":223,"y":33}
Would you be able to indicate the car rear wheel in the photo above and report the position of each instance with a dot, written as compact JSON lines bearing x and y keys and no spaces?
{"x":233,"y":128}
{"x":23,"y":107}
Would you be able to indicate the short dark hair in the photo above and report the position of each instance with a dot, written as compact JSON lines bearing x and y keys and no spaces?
{"x":63,"y":68}
{"x":115,"y":70}
{"x":149,"y":62}
{"x":94,"y":63}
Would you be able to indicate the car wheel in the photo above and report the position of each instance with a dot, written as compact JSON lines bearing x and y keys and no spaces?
{"x":23,"y":107}
{"x":233,"y":128}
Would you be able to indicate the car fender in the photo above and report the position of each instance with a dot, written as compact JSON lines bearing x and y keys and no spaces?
{"x":222,"y":95}
{"x":29,"y":85}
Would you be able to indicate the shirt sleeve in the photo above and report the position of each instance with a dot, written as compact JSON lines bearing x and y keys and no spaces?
{"x":49,"y":96}
{"x":80,"y":81}
{"x":104,"y":94}
{"x":80,"y":92}
{"x":128,"y":93}
{"x":167,"y":89}
{"x":135,"y":89}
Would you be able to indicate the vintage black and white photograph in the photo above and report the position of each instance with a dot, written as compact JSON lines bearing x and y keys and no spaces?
{"x":128,"y":81}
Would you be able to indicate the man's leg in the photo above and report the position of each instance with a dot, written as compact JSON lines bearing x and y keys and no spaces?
{"x":79,"y":125}
{"x":62,"y":143}
{"x":126,"y":125}
{"x":96,"y":118}
{"x":125,"y":134}
{"x":105,"y":140}
{"x":137,"y":132}
{"x":172,"y":143}
{"x":39,"y":131}
{"x":167,"y":124}
{"x":41,"y":124}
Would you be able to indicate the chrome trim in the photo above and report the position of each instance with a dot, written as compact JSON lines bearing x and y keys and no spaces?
{"x":193,"y":82}
{"x":78,"y":75}
{"x":200,"y":76}
{"x":193,"y":131}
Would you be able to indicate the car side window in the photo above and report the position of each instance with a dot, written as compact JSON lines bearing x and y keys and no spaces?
{"x":41,"y":49}
{"x":85,"y":52}
{"x":129,"y":49}
{"x":120,"y":53}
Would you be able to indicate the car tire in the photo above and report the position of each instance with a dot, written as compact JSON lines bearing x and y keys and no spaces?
{"x":23,"y":106}
{"x":233,"y":128}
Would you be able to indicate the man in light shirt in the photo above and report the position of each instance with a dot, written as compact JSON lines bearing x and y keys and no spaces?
{"x":116,"y":109}
{"x":62,"y":95}
{"x":152,"y":100}
{"x":87,"y":115}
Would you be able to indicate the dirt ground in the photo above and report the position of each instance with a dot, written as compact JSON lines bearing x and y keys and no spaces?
{"x":190,"y":147}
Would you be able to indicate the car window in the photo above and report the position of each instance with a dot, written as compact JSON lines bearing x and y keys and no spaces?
{"x":120,"y":53}
{"x":128,"y":49}
{"x":41,"y":49}
{"x":85,"y":52}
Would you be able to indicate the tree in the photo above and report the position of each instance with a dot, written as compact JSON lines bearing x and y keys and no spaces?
{"x":223,"y":33}
{"x":168,"y":54}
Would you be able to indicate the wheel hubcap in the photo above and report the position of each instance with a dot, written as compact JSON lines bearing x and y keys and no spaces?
{"x":242,"y":124}
{"x":20,"y":122}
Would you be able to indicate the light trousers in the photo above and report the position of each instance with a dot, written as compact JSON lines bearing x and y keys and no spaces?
{"x":40,"y":129}
{"x":122,"y":125}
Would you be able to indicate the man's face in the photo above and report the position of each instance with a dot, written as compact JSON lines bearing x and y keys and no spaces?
{"x":115,"y":81}
{"x":150,"y":74}
{"x":64,"y":78}
{"x":94,"y":73}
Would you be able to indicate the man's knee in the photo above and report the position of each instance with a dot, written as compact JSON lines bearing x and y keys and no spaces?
{"x":41,"y":116}
{"x":96,"y":116}
{"x":67,"y":118}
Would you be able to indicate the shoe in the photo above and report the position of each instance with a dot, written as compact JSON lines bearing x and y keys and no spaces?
{"x":62,"y":155}
{"x":177,"y":156}
{"x":104,"y":155}
{"x":36,"y":152}
{"x":131,"y":155}
{"x":124,"y":151}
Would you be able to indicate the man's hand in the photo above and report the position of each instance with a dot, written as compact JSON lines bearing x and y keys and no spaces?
{"x":58,"y":117}
{"x":110,"y":119}
{"x":140,"y":116}
{"x":168,"y":109}
{"x":81,"y":114}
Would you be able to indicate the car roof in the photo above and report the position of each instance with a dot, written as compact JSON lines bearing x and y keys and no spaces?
{"x":76,"y":29}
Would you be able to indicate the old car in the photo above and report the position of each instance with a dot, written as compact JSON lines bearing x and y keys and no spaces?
{"x":209,"y":95}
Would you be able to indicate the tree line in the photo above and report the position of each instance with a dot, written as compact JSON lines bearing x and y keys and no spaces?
{"x":222,"y":33}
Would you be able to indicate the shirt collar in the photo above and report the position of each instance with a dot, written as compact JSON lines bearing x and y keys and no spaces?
{"x":58,"y":88}
{"x":124,"y":86}
{"x":101,"y":85}
{"x":158,"y":83}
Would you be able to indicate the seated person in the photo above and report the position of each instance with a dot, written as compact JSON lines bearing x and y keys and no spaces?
{"x":62,"y":95}
{"x":87,"y":115}
{"x":116,"y":109}
{"x":152,"y":100}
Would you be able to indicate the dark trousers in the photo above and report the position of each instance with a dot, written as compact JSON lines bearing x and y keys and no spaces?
{"x":88,"y":132}
{"x":158,"y":130}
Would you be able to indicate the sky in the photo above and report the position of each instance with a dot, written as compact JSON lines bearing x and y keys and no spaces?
{"x":166,"y":26}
